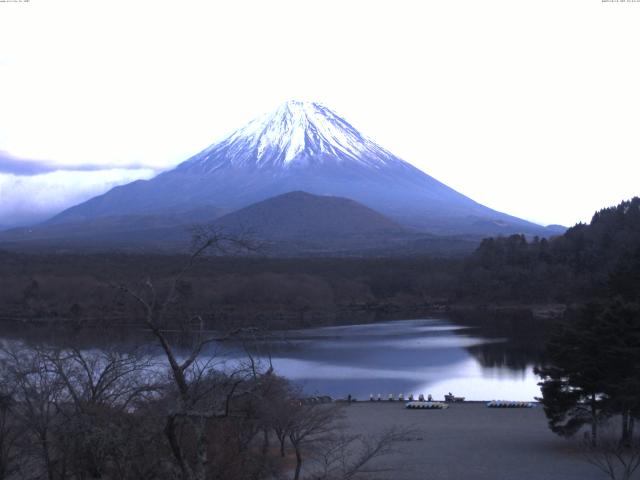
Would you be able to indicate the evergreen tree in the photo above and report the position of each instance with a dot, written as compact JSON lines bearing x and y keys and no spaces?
{"x":572,"y":390}
{"x":593,"y":370}
{"x":619,"y":330}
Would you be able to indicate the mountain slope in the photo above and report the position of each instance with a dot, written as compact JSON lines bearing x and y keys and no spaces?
{"x":292,"y":225}
{"x":296,"y":214}
{"x":303,"y":146}
{"x":127,"y":231}
{"x":302,"y":224}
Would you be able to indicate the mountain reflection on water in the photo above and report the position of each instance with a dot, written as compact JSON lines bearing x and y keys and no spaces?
{"x":428,"y":356}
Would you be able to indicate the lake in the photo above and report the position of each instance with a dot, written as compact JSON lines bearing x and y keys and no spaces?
{"x":425,"y":356}
{"x":428,"y":356}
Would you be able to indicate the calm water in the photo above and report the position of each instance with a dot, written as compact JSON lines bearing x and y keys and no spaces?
{"x":412,"y":356}
{"x":429,"y":356}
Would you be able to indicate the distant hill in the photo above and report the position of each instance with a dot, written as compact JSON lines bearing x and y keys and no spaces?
{"x":554,"y":230}
{"x":292,"y":224}
{"x":301,"y":214}
{"x":299,"y":221}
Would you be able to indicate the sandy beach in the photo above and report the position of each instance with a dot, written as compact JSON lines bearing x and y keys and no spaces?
{"x":471,"y":441}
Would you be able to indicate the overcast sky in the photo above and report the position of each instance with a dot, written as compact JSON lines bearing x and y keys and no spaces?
{"x":530,"y":107}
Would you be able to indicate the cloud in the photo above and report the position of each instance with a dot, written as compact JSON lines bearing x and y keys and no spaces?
{"x":15,"y":165}
{"x":541,"y":126}
{"x":19,"y":166}
{"x":34,"y":197}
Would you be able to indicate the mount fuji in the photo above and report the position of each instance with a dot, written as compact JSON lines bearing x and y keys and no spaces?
{"x":301,"y":146}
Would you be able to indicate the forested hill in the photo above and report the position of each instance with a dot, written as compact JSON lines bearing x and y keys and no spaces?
{"x":601,"y":259}
{"x":595,"y":259}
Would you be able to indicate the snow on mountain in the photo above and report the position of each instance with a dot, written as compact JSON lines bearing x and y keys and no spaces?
{"x":295,"y":132}
{"x":303,"y":146}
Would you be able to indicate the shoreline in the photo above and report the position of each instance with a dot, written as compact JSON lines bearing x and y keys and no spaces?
{"x":291,"y":319}
{"x":344,"y":401}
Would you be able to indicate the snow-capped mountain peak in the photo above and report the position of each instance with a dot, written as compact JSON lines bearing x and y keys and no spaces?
{"x":295,"y":133}
{"x":302,"y":146}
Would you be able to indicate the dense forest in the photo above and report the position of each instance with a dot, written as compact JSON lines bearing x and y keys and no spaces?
{"x":590,"y":373}
{"x":588,"y":260}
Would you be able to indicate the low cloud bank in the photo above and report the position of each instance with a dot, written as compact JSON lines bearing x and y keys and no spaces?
{"x":19,"y":166}
{"x":33,"y":195}
{"x":10,"y":164}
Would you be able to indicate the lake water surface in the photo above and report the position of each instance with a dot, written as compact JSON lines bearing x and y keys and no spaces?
{"x":427,"y":356}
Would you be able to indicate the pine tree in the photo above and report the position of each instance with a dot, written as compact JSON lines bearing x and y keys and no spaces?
{"x":593,"y":370}
{"x":572,"y":391}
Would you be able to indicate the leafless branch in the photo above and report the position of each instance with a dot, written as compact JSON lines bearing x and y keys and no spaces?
{"x":613,"y":458}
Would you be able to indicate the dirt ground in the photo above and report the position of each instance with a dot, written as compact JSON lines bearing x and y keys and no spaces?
{"x":471,"y":441}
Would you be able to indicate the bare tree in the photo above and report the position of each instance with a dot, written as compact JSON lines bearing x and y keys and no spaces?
{"x":38,"y":395}
{"x":349,"y":457}
{"x":310,"y":424}
{"x":616,"y":459}
{"x":101,"y":388}
{"x":193,"y":379}
{"x":71,"y":406}
{"x":276,"y":407}
{"x":141,"y":450}
{"x":10,"y":433}
{"x":104,"y":377}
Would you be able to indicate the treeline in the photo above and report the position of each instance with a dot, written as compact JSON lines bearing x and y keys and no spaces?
{"x":80,"y":288}
{"x":567,"y":269}
{"x":591,"y":371}
{"x":587,"y":261}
